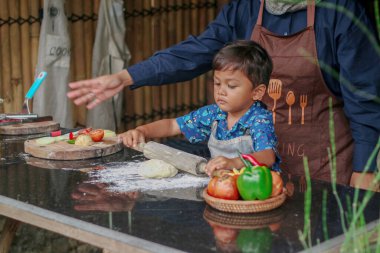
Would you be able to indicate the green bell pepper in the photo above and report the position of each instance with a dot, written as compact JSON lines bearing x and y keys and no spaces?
{"x":255,"y":241}
{"x":255,"y":182}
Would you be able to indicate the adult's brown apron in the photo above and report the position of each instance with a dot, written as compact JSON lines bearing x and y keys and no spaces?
{"x":299,"y":99}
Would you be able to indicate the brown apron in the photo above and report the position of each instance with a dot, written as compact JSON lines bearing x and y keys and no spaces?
{"x":299,"y":99}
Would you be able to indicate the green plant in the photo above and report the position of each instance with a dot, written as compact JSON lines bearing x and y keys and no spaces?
{"x":357,"y":238}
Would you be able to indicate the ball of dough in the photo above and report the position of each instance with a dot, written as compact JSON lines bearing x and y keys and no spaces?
{"x":83,"y":140}
{"x":155,"y":168}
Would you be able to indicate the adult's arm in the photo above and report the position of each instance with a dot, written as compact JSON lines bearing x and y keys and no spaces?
{"x":187,"y":59}
{"x":358,"y":54}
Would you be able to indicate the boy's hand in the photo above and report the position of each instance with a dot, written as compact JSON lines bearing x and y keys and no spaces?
{"x":132,"y":137}
{"x":219,"y":163}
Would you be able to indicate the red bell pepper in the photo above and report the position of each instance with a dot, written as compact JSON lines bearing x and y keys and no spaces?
{"x":253,"y":160}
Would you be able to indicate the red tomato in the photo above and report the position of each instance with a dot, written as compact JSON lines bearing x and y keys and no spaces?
{"x":277,"y":184}
{"x":85,"y":130}
{"x":223,"y":187}
{"x":225,"y":234}
{"x":275,"y":226}
{"x":97,"y":134}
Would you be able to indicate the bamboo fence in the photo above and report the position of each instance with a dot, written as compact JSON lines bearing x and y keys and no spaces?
{"x":146,"y":34}
{"x":7,"y":92}
{"x":148,"y":31}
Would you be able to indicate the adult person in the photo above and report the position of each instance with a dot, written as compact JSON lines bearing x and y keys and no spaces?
{"x":318,"y":52}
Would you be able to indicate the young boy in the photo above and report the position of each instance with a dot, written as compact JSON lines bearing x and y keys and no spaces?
{"x":238,"y":120}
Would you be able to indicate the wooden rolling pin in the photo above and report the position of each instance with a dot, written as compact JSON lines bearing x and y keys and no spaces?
{"x":183,"y":161}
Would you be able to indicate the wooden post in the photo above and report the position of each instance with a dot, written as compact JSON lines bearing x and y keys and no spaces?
{"x":179,"y":37}
{"x":88,"y":38}
{"x":147,"y":51}
{"x":220,"y":4}
{"x":7,"y":92}
{"x":139,"y":93}
{"x":186,"y":32}
{"x":156,"y":91}
{"x":164,"y":44}
{"x":172,"y":40}
{"x":1,"y":87}
{"x":8,"y":233}
{"x":25,"y":47}
{"x":194,"y":31}
{"x":96,"y":4}
{"x":78,"y":54}
{"x":211,"y":13}
{"x":202,"y":91}
{"x":16,"y":80}
{"x":34,"y":34}
{"x":129,"y":104}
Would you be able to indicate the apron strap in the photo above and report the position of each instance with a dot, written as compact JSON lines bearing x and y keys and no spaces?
{"x":310,"y":13}
{"x":213,"y":126}
{"x":260,"y":16}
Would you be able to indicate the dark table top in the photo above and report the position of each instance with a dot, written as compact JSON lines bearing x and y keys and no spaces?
{"x":157,"y":222}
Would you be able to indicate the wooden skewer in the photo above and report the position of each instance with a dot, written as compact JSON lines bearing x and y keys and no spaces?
{"x":6,"y":59}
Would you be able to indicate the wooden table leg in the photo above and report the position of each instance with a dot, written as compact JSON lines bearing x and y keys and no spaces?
{"x":8,"y":233}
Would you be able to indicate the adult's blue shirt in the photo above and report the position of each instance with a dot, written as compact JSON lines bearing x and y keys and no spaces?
{"x":342,"y":46}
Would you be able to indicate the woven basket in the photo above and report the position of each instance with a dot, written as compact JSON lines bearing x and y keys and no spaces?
{"x":243,"y":220}
{"x":245,"y":206}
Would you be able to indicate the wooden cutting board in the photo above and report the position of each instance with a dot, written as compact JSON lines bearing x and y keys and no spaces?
{"x":29,"y":128}
{"x":64,"y":151}
{"x":84,"y":165}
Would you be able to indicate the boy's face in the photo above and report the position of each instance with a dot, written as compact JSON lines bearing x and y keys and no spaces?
{"x":233,"y":91}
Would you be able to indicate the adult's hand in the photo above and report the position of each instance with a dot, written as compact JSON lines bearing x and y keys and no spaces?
{"x":96,"y":197}
{"x":364,"y":181}
{"x":94,"y":91}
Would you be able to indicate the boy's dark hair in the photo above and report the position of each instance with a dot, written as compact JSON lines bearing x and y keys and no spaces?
{"x":248,"y":57}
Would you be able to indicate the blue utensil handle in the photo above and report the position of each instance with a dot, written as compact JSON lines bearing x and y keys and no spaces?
{"x":40,"y":78}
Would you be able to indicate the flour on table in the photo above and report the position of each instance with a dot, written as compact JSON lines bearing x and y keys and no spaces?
{"x":124,"y":177}
{"x":155,"y":168}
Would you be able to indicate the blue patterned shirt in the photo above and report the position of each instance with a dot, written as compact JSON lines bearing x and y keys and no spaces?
{"x":258,"y":121}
